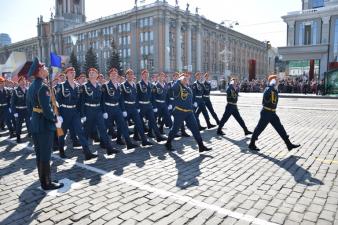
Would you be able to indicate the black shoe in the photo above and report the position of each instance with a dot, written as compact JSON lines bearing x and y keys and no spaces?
{"x":111,"y":151}
{"x":291,"y":146}
{"x":160,"y":138}
{"x":247,"y":132}
{"x":76,"y":143}
{"x":89,"y":156}
{"x":146,"y":143}
{"x":62,"y":153}
{"x":11,"y":135}
{"x":131,"y":145}
{"x":185,"y":134}
{"x":210,"y":126}
{"x":161,"y":130}
{"x":119,"y":141}
{"x":114,"y":135}
{"x":203,"y":148}
{"x":220,"y":132}
{"x":168,"y":146}
{"x":253,"y":147}
{"x":202,"y":128}
{"x":18,"y":140}
{"x":177,"y":136}
{"x":45,"y":177}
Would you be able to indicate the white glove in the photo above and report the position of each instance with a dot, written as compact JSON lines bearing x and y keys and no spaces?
{"x":58,"y":124}
{"x":138,"y":110}
{"x":124,"y":114}
{"x":155,"y":110}
{"x":170,"y":107}
{"x":60,"y":119}
{"x":195,"y":104}
{"x":16,"y":115}
{"x":83,"y":119}
{"x":105,"y":116}
{"x":9,"y":109}
{"x":30,"y":118}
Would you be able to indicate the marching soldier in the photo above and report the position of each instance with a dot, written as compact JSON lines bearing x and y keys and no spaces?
{"x":268,"y":115}
{"x":19,"y":108}
{"x":92,"y":111}
{"x":144,"y":97}
{"x":183,"y":111}
{"x":114,"y":107}
{"x":198,"y":90}
{"x":231,"y":109}
{"x":5,"y":97}
{"x":44,"y":123}
{"x":68,"y":97}
{"x":129,"y":93}
{"x":206,"y":97}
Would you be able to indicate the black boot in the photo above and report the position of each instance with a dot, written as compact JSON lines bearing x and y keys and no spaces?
{"x":88,"y":154}
{"x":220,"y":132}
{"x":168,"y":145}
{"x":11,"y":134}
{"x":160,"y":138}
{"x":45,"y":177}
{"x":210,"y":126}
{"x":290,"y":145}
{"x":119,"y":141}
{"x":145,"y":142}
{"x":150,"y":134}
{"x":247,"y":132}
{"x":252,"y":146}
{"x":18,"y":139}
{"x":130,"y":145}
{"x":113,"y":135}
{"x":203,"y":148}
{"x":62,"y":152}
{"x":161,"y":129}
{"x":111,"y":150}
{"x":76,"y":143}
{"x":201,"y":128}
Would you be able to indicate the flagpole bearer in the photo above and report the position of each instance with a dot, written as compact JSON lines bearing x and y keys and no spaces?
{"x":43,"y":123}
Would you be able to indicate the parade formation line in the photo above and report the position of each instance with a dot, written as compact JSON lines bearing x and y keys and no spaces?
{"x":163,"y":193}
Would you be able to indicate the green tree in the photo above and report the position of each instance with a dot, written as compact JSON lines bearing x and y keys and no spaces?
{"x":114,"y":60}
{"x":91,"y":60}
{"x":73,"y":61}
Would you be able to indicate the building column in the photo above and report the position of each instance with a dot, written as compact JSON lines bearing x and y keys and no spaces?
{"x":166,"y":43}
{"x":178,"y":45}
{"x":325,"y":29}
{"x":291,"y":33}
{"x":199,"y":49}
{"x":134,"y":54}
{"x":189,"y":45}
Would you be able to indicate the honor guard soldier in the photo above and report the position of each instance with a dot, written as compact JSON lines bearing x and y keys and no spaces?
{"x":68,"y":98}
{"x":43,"y":123}
{"x":5,"y":98}
{"x":268,"y":115}
{"x":129,"y":94}
{"x":160,"y":90}
{"x":92,"y":110}
{"x":231,"y":109}
{"x":114,"y":107}
{"x":206,"y":97}
{"x":144,"y":97}
{"x":183,"y":111}
{"x":19,"y":108}
{"x":198,"y":91}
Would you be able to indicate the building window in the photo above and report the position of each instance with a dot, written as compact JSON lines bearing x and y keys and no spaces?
{"x":307,"y":34}
{"x":151,"y":36}
{"x":317,"y":3}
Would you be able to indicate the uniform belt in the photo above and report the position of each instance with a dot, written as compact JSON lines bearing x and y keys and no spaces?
{"x":172,"y":99}
{"x":269,"y":109}
{"x":232,"y":103}
{"x":68,"y":106}
{"x":206,"y":96}
{"x":182,"y":110}
{"x":92,"y":105}
{"x":144,"y":103}
{"x":111,"y":104}
{"x":3,"y":105}
{"x":21,"y":107}
{"x":160,"y":101}
{"x":198,"y":96}
{"x":129,"y":103}
{"x":37,"y":110}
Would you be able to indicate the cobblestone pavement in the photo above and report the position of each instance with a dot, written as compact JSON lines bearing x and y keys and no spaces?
{"x":229,"y":185}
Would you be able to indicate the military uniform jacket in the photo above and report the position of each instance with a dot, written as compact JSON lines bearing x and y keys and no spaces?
{"x":198,"y":90}
{"x":170,"y":93}
{"x":144,"y":92}
{"x":5,"y":98}
{"x":207,"y":89}
{"x":129,"y":94}
{"x":38,"y":97}
{"x":112,"y":95}
{"x":270,"y":98}
{"x":91,"y":96}
{"x":160,"y":93}
{"x":18,"y":100}
{"x":67,"y":97}
{"x":183,"y":97}
{"x":232,"y":94}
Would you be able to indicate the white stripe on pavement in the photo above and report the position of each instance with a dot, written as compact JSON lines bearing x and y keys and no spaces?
{"x":163,"y":193}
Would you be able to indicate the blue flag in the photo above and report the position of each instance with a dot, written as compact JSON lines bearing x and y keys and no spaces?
{"x":55,"y":60}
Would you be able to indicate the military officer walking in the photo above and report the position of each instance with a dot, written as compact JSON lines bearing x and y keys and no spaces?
{"x":19,"y":108}
{"x":268,"y":115}
{"x":68,"y":97}
{"x":206,"y":97}
{"x":92,"y":111}
{"x":231,"y":109}
{"x":5,"y":98}
{"x":183,"y":111}
{"x":44,"y":123}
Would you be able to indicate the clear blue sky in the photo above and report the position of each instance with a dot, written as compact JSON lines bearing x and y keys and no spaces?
{"x":260,"y":19}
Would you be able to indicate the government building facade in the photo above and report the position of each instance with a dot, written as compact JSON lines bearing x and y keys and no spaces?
{"x":157,"y":36}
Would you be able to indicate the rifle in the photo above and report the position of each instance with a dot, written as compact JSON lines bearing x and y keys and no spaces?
{"x":59,"y":131}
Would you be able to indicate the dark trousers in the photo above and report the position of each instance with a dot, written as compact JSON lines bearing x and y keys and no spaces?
{"x":190,"y":120}
{"x":148,"y":113}
{"x":232,"y":110}
{"x":22,"y":117}
{"x":115,"y":115}
{"x":135,"y":116}
{"x":43,"y":143}
{"x":202,"y":108}
{"x":163,"y":113}
{"x":266,"y":118}
{"x":211,"y":109}
{"x":5,"y":117}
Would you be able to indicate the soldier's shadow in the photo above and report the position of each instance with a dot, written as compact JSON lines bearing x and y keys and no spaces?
{"x":289,"y":164}
{"x":188,"y":171}
{"x":240,"y":143}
